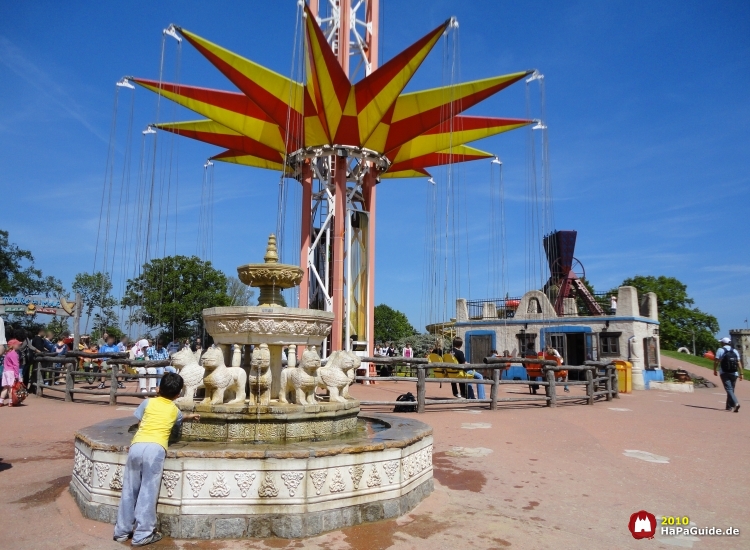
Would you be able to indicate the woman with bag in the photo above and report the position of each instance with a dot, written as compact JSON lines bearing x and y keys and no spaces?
{"x":11,"y":372}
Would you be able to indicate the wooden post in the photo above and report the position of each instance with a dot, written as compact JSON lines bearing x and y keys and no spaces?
{"x":113,"y":387}
{"x":551,"y":391}
{"x":39,"y":380}
{"x":421,"y":389}
{"x":590,"y":385}
{"x":615,"y":383}
{"x":608,"y":382}
{"x":69,"y":382}
{"x":493,"y":390}
{"x":77,"y":322}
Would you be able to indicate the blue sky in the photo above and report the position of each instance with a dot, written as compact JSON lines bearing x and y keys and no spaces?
{"x":647,"y":108}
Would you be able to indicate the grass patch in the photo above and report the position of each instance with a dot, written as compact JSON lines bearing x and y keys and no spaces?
{"x":700,"y":361}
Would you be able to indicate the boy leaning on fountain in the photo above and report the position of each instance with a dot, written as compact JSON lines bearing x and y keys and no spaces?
{"x":136,"y":516}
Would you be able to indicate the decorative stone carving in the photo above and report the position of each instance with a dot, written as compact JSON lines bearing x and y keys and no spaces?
{"x":101,"y":470}
{"x":116,"y":482}
{"x":196,"y":481}
{"x":82,"y":466}
{"x":170,"y":480}
{"x":192,"y":373}
{"x":204,"y":430}
{"x":292,"y":481}
{"x":260,"y":376}
{"x":318,"y":479}
{"x":267,"y":487}
{"x":269,"y":326}
{"x":337,"y":484}
{"x":298,"y":383}
{"x":220,"y":378}
{"x":390,"y":468}
{"x":356,"y":472}
{"x":244,"y":481}
{"x":220,"y":488}
{"x":416,"y":463}
{"x":373,"y":479}
{"x":338,"y":374}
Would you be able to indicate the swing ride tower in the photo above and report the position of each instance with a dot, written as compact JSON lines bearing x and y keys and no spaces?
{"x":338,"y":138}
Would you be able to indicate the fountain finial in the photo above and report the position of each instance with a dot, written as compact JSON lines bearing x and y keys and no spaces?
{"x":272,"y":255}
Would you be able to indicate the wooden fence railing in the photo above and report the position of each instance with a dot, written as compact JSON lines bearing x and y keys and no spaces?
{"x":601,"y":379}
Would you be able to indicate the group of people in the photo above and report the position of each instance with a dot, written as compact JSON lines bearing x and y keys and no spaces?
{"x":143,"y":349}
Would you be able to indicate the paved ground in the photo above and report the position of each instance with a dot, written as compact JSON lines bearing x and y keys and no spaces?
{"x":549,"y":478}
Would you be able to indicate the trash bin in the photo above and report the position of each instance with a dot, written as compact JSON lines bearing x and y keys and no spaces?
{"x":624,"y":376}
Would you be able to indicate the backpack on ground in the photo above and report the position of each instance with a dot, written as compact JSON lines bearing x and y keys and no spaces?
{"x":730,"y":362}
{"x":407,"y":397}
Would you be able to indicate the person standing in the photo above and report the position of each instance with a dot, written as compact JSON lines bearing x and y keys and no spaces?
{"x":730,"y":362}
{"x":109,"y":347}
{"x":459,"y":390}
{"x":3,"y":342}
{"x":122,"y":346}
{"x":136,"y":515}
{"x":174,"y":346}
{"x":11,"y":372}
{"x":159,"y":353}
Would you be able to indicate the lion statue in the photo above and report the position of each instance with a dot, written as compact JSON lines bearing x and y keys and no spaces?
{"x":298,"y":383}
{"x":338,"y":373}
{"x":220,"y":378}
{"x":192,"y":373}
{"x":260,"y":376}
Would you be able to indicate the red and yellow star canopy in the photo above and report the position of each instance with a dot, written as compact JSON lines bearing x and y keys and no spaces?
{"x":273,"y":115}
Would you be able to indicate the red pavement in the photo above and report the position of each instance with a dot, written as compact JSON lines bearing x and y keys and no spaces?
{"x":550,"y":478}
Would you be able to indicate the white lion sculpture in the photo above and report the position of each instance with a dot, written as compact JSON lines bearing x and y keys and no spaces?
{"x":220,"y":378}
{"x":298,"y":383}
{"x":338,"y":373}
{"x":191,"y":372}
{"x":260,"y":376}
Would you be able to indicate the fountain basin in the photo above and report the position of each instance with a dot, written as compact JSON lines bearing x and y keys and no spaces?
{"x":290,"y":490}
{"x":272,"y":325}
{"x":271,"y":423}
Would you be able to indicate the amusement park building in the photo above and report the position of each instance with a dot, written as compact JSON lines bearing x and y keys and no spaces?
{"x":630,"y":332}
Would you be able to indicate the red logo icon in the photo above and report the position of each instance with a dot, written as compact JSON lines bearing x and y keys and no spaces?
{"x":642,"y":525}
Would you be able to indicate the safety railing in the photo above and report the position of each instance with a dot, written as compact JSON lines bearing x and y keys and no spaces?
{"x":601,"y":378}
{"x":601,"y":381}
{"x":69,"y":372}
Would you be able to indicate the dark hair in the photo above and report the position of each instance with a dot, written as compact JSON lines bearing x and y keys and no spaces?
{"x":171,"y":385}
{"x":457,"y":342}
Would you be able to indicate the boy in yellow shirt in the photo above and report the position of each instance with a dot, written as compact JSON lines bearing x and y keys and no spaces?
{"x":136,"y":516}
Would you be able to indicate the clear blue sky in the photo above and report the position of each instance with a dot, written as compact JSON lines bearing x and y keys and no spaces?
{"x":647,"y":108}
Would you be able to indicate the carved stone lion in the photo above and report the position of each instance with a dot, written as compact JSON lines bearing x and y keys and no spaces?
{"x":298,"y":383}
{"x":260,"y":376}
{"x":191,"y":372}
{"x":220,"y":378}
{"x":338,"y":373}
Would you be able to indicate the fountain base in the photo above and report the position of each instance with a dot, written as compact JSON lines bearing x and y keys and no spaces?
{"x":289,"y":490}
{"x":271,"y":423}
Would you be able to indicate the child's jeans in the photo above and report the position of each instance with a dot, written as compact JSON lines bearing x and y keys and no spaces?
{"x":140,"y":491}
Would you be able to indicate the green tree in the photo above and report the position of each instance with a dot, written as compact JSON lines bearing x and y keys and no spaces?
{"x":423,"y":344}
{"x":18,"y":274}
{"x":239,"y":293}
{"x":58,"y":326}
{"x":171,"y":293}
{"x":391,"y":324}
{"x":677,"y":316}
{"x":96,"y":293}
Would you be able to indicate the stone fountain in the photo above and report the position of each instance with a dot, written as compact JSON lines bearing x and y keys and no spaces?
{"x":271,"y":456}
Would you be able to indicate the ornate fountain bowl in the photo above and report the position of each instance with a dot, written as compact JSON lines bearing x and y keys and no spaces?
{"x":273,"y":325}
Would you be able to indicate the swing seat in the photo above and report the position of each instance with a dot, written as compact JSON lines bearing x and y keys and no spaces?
{"x":445,"y":372}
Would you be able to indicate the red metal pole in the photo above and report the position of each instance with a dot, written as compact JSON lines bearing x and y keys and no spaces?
{"x":314,"y":7}
{"x":337,"y":288}
{"x":304,"y":286}
{"x":345,"y":9}
{"x":369,"y":191}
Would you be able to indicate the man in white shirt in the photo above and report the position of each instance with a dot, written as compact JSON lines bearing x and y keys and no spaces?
{"x":3,"y":342}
